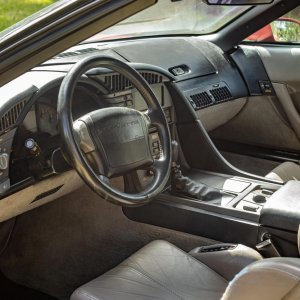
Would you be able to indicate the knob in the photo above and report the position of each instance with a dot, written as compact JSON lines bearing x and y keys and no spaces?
{"x":32,"y":146}
{"x":259,"y":198}
{"x":4,"y":159}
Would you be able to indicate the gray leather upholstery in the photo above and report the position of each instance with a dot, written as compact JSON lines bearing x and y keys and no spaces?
{"x":299,"y":239}
{"x":285,"y":172}
{"x":157,"y":271}
{"x":268,"y":279}
{"x":282,"y":210}
{"x":228,"y":263}
{"x":162,"y":271}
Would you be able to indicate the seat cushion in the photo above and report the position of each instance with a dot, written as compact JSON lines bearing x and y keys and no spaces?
{"x":157,"y":271}
{"x":269,"y":279}
{"x":285,"y":172}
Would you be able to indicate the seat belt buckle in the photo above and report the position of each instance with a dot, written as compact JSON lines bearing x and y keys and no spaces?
{"x":267,"y":248}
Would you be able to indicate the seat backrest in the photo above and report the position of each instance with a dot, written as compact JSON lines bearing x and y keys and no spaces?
{"x":268,"y":279}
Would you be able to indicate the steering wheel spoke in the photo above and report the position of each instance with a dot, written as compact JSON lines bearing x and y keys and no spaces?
{"x":153,"y":117}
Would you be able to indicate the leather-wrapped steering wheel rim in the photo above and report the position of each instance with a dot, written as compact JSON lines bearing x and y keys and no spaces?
{"x":73,"y":152}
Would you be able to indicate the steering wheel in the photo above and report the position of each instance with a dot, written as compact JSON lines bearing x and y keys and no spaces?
{"x":114,"y":141}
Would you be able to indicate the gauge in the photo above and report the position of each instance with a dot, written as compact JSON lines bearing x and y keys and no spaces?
{"x":47,"y":119}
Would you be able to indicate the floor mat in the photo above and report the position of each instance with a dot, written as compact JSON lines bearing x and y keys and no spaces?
{"x":63,"y":244}
{"x":12,"y":291}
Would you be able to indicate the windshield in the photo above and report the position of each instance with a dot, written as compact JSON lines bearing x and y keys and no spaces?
{"x":168,"y":17}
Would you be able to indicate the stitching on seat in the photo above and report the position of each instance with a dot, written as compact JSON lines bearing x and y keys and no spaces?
{"x":148,"y":276}
{"x":198,"y":261}
{"x":145,"y":274}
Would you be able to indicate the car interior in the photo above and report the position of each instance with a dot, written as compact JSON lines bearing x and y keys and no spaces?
{"x":159,"y":166}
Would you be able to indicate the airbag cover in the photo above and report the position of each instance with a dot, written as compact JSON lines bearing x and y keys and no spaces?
{"x":121,"y":138}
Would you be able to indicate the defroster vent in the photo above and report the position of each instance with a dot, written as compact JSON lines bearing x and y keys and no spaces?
{"x":10,"y":117}
{"x":118,"y":82}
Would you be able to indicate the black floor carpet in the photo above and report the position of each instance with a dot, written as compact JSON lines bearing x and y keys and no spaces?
{"x":12,"y":291}
{"x":62,"y":245}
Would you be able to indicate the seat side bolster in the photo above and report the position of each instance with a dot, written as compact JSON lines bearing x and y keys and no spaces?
{"x":269,"y":279}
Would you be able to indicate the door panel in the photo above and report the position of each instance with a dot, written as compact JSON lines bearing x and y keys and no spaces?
{"x":270,"y":122}
{"x":260,"y":124}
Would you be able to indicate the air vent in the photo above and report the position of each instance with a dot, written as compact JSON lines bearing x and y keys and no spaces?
{"x":117,"y":82}
{"x":152,"y":78}
{"x":201,"y":100}
{"x":221,"y":94}
{"x":77,"y":52}
{"x":10,"y":117}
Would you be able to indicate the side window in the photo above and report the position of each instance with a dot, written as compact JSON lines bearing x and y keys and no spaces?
{"x":284,"y":30}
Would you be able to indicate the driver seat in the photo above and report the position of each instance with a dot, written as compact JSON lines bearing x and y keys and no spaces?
{"x":162,"y":271}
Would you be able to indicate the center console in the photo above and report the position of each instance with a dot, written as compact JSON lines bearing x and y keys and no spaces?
{"x":240,"y":197}
{"x":249,"y":212}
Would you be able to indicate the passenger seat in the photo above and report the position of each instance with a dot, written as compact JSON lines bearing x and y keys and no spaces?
{"x":285,"y":172}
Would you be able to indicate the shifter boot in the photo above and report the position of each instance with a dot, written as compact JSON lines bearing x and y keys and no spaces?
{"x":185,"y":186}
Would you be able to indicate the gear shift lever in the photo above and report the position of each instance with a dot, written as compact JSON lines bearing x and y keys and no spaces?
{"x":185,"y":186}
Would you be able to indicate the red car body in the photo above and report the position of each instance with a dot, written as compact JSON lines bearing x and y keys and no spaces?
{"x":266,"y":33}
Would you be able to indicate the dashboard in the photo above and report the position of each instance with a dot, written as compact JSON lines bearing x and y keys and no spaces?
{"x":188,"y":75}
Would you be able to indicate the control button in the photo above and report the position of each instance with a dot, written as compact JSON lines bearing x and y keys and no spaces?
{"x":259,"y":198}
{"x":178,"y":71}
{"x":267,"y":192}
{"x":150,"y":173}
{"x":250,"y":207}
{"x":154,"y":136}
{"x":4,"y":159}
{"x":266,"y":87}
{"x":156,"y":150}
{"x":155,"y":144}
{"x":4,"y":186}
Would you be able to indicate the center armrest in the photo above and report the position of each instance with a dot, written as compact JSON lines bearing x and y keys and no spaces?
{"x":282,"y":209}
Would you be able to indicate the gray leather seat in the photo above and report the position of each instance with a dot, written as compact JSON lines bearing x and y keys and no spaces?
{"x":162,"y":271}
{"x":285,"y":172}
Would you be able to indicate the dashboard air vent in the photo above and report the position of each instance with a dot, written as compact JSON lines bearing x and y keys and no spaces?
{"x":77,"y":52}
{"x":221,"y":94}
{"x":118,"y":82}
{"x":10,"y":117}
{"x":152,"y":78}
{"x":201,"y":100}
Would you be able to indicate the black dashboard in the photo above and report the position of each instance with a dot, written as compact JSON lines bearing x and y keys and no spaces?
{"x":186,"y":74}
